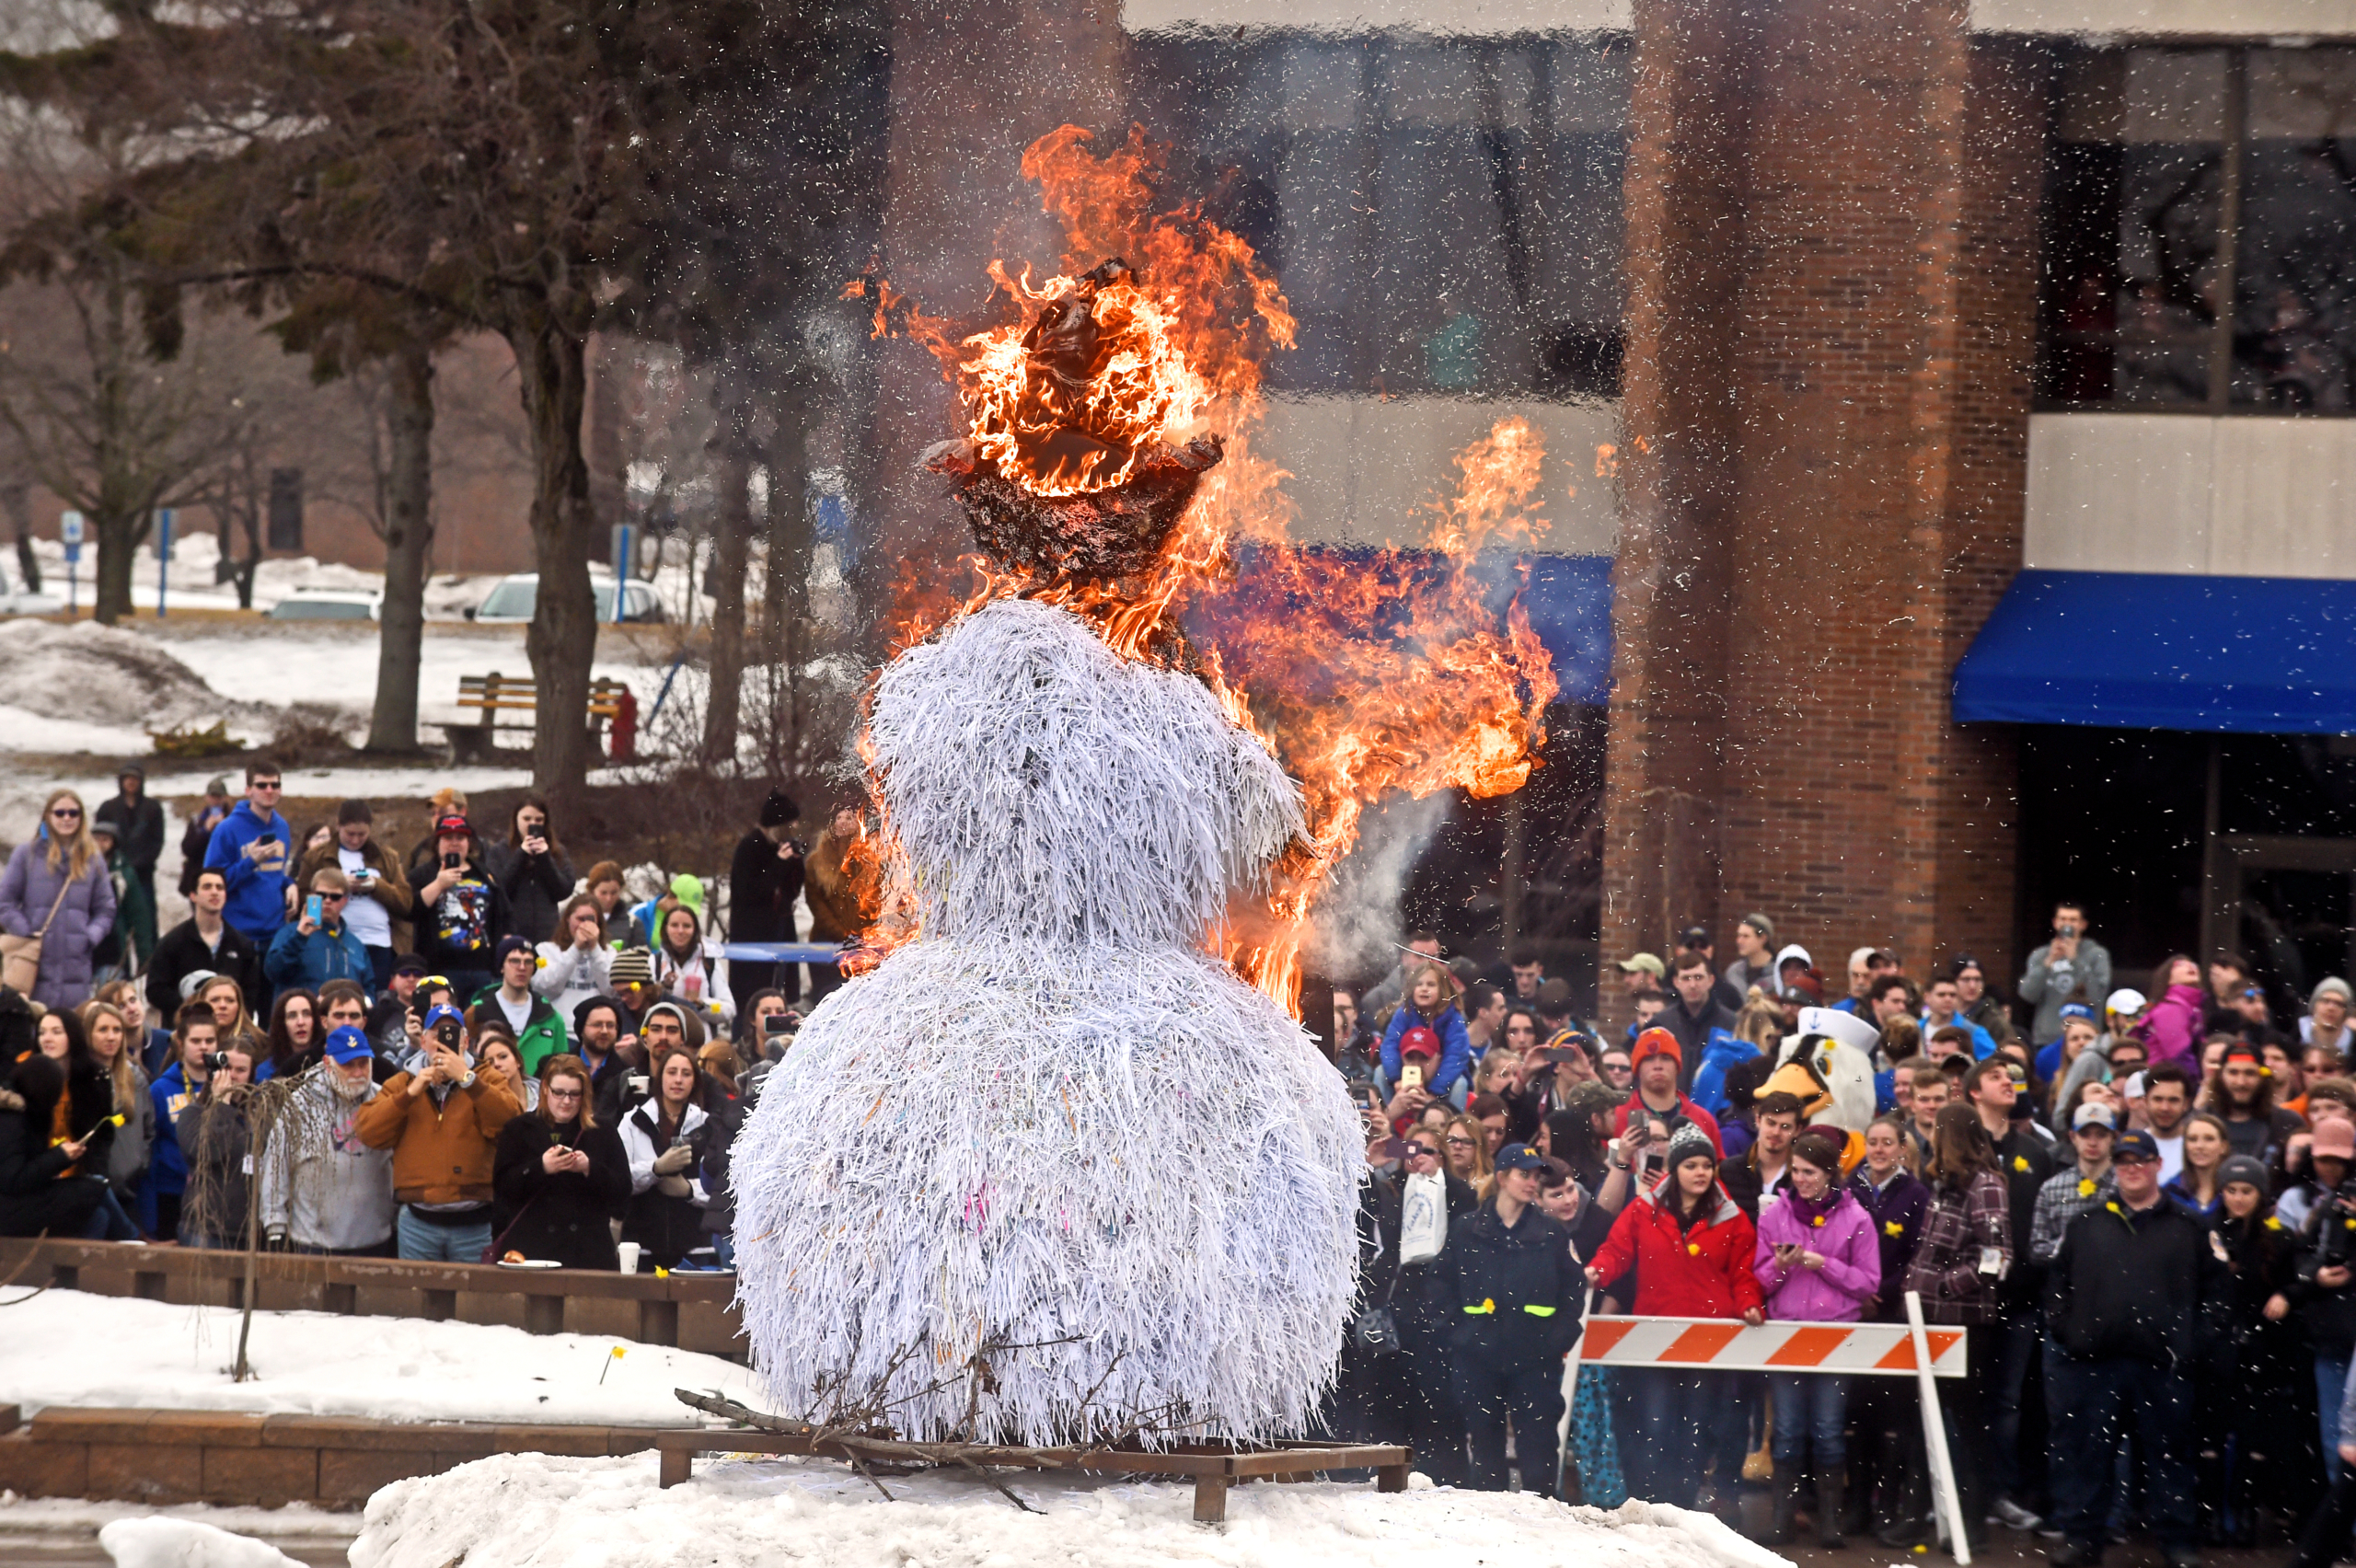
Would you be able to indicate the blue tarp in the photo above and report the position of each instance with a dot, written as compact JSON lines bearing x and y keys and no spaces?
{"x":2256,"y":655}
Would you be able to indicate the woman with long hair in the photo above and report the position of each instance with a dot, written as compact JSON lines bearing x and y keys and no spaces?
{"x":560,"y":1179}
{"x":2244,"y":1392}
{"x":531,"y":869}
{"x":2172,"y":1026}
{"x":666,"y":1138}
{"x":1692,"y":1251}
{"x":1430,"y":1004}
{"x":1966,"y":1248}
{"x":111,"y":1041}
{"x":1466,"y":1144}
{"x":688,"y":967}
{"x":1818,"y":1262}
{"x":575,"y":964}
{"x":2196,"y":1187}
{"x":57,"y":887}
{"x":609,"y":887}
{"x":227,"y":1000}
{"x":495,"y":1049}
{"x":82,"y":1117}
{"x":296,"y":1040}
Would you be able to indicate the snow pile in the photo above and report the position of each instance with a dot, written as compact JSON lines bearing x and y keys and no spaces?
{"x":47,"y":1521}
{"x":516,"y":1508}
{"x":105,"y":677}
{"x":183,"y":1543}
{"x":116,"y":1352}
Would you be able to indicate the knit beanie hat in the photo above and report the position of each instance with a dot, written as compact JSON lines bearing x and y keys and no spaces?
{"x":1688,"y":1141}
{"x":631,"y":965}
{"x":2242,"y":1168}
{"x":778,"y":810}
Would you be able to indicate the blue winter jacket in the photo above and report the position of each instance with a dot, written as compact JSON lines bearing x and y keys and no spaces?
{"x":257,"y":904}
{"x":1719,"y":1053}
{"x":329,"y":952}
{"x":167,"y":1166}
{"x":1455,"y":1047}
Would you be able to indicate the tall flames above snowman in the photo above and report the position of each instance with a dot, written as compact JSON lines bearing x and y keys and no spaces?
{"x":1061,"y":1166}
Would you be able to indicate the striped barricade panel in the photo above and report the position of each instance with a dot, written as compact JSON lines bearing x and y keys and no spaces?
{"x":1723,"y":1346}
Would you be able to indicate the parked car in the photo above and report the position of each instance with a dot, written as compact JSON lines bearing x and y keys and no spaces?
{"x":512,"y":601}
{"x":15,"y":600}
{"x":329,"y":604}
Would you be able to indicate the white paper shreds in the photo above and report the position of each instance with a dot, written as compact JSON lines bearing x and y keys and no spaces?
{"x":1051,"y":1167}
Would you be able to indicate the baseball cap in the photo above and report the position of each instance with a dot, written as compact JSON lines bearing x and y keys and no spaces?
{"x":1419,"y":1041}
{"x":1656,"y":1042}
{"x":348,"y":1044}
{"x":408,"y":964}
{"x":2080,"y":1009}
{"x":453,"y":823}
{"x":1649,"y":963}
{"x":441,"y":1010}
{"x":1555,"y":997}
{"x":2094,"y":1114}
{"x":2134,"y":1145}
{"x":2124,"y":1002}
{"x":1760,"y":924}
{"x":2335,"y":1139}
{"x":1519,"y":1157}
{"x":194,"y":980}
{"x":1694,"y":937}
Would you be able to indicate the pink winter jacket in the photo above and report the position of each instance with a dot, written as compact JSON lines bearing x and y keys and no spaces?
{"x":2172,"y":1029}
{"x":1840,"y":1291}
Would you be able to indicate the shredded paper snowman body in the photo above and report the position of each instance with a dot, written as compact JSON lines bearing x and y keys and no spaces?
{"x":1051,"y":1170}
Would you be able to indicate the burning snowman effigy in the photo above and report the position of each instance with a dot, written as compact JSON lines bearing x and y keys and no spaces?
{"x":1052,"y":1172}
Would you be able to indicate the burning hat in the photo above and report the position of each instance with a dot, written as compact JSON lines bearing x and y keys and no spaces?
{"x":1419,"y":1041}
{"x":1656,"y":1042}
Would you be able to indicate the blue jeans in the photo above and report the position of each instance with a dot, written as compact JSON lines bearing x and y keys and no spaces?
{"x":1811,"y":1408}
{"x":2096,"y":1403}
{"x":1679,"y":1415}
{"x":2331,"y":1387}
{"x":108,"y":1221}
{"x":422,"y":1242}
{"x":2016,"y":1338}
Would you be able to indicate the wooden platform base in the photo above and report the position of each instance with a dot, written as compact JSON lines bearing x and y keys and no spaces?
{"x":1214,"y":1467}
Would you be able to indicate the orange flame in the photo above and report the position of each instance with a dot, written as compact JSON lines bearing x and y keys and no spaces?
{"x":1366,"y":671}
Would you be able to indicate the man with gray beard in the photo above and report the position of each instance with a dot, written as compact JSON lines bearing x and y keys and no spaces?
{"x":323,"y":1191}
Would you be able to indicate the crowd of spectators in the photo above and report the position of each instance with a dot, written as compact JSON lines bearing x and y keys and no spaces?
{"x":2134,"y":1203}
{"x":479,"y":1052}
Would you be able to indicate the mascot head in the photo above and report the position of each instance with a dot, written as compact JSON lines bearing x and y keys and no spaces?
{"x":1829,"y":1067}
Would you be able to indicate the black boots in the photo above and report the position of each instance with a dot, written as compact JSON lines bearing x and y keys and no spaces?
{"x":1830,"y":1483}
{"x":1786,"y":1486}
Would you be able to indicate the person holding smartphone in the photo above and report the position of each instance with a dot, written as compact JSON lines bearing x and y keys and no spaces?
{"x":1819,"y":1261}
{"x":442,"y":1121}
{"x":533,"y":873}
{"x":320,"y":945}
{"x":253,"y":849}
{"x":459,"y":910}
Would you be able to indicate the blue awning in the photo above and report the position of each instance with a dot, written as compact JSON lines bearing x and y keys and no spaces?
{"x":2258,"y":655}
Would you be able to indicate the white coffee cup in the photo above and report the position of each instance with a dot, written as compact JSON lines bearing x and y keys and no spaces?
{"x":629,"y":1251}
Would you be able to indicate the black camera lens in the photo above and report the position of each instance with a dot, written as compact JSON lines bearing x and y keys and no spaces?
{"x":446,"y":1032}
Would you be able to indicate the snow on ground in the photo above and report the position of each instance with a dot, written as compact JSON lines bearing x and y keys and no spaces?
{"x":67,"y":1519}
{"x":159,"y":1542}
{"x":66,"y":1347}
{"x":524,"y":1509}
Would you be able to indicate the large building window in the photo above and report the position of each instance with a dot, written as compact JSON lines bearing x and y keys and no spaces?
{"x":1444,"y":215}
{"x":2201,"y":231}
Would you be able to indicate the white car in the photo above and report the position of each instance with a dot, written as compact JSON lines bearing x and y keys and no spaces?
{"x":512,"y":601}
{"x":16,"y":602}
{"x":329,"y":604}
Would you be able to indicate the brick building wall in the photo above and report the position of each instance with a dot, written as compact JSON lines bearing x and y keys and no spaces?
{"x":1831,"y":263}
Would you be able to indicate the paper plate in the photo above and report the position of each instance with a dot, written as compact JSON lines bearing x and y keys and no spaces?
{"x":531,"y":1263}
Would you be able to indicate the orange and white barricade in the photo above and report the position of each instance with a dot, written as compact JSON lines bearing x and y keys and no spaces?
{"x":1853,"y":1350}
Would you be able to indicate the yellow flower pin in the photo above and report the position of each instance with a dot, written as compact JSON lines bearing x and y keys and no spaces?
{"x":2112,"y":1208}
{"x":2086,"y":1188}
{"x":1891,"y":1228}
{"x":2272,"y":1223}
{"x":1488,"y":1304}
{"x":1817,"y":1221}
{"x":2020,"y":1163}
{"x":1693,"y":1248}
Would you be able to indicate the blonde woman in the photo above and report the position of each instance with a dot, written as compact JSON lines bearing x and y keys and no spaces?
{"x":227,"y":1000}
{"x":114,"y":1047}
{"x":57,"y":888}
{"x":1464,"y":1143}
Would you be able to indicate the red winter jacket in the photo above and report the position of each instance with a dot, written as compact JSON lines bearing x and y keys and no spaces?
{"x":1701,"y":1273}
{"x":1685,"y":1108}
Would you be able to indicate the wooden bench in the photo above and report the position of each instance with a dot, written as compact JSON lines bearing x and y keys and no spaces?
{"x":1214,"y":1467}
{"x":490,"y":696}
{"x":690,"y":1312}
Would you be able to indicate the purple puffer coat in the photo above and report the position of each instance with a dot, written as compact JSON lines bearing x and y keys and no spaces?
{"x":1840,"y":1291}
{"x":27,"y":888}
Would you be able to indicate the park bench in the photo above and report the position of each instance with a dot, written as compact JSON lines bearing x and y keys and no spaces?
{"x":511,"y":702}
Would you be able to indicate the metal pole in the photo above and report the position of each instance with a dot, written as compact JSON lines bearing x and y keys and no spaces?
{"x":163,"y":557}
{"x":1935,"y":1436}
{"x":2234,"y":156}
{"x":621,"y":573}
